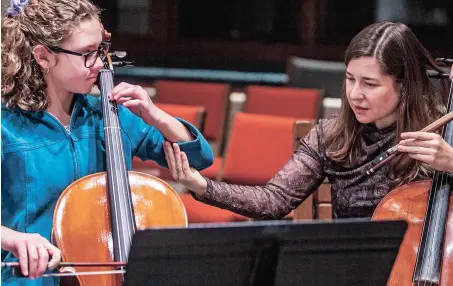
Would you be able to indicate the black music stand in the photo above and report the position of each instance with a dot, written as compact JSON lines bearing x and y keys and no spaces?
{"x":341,"y":252}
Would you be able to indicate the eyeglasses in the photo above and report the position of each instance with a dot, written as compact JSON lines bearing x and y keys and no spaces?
{"x":90,"y":57}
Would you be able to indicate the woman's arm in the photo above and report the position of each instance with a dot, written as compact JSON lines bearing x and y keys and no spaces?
{"x":300,"y":177}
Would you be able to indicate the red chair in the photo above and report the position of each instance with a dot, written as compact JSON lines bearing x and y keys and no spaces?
{"x":198,"y":212}
{"x":192,"y":114}
{"x":284,"y":101}
{"x":212,"y":96}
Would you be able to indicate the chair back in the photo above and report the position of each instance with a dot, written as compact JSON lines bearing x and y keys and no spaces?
{"x":321,"y":199}
{"x":259,"y":146}
{"x":284,"y":101}
{"x":308,"y":73}
{"x":212,"y":96}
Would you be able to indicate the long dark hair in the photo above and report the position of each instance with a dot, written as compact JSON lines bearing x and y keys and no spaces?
{"x":403,"y":57}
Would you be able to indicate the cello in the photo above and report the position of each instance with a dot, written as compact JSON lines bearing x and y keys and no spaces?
{"x":425,"y":256}
{"x":96,"y":216}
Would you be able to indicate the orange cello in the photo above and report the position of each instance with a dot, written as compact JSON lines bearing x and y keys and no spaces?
{"x":426,"y":252}
{"x":96,"y":216}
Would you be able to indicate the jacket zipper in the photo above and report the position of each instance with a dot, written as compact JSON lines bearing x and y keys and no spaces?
{"x":69,"y":135}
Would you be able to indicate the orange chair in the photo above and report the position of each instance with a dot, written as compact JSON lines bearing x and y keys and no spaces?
{"x":320,"y":201}
{"x":212,"y":96}
{"x":198,"y":212}
{"x":192,"y":114}
{"x":284,"y":101}
{"x":247,"y":155}
{"x":195,"y":115}
{"x":256,"y":150}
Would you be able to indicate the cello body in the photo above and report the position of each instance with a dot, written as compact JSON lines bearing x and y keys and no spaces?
{"x":82,"y":221}
{"x":425,"y":256}
{"x":409,"y":202}
{"x":96,"y":217}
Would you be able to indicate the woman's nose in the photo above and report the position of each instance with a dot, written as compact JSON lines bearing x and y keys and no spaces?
{"x":356,"y":92}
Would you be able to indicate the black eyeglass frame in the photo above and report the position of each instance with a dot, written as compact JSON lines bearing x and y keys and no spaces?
{"x":99,"y":52}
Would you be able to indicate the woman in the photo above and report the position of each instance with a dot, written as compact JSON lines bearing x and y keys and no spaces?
{"x":52,"y":133}
{"x":386,"y":97}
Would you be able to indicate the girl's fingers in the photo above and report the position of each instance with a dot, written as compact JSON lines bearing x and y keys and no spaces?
{"x":128,"y":92}
{"x":32,"y":260}
{"x":55,"y":253}
{"x":22,"y":255}
{"x":119,"y":87}
{"x":132,"y":103}
{"x":43,"y":260}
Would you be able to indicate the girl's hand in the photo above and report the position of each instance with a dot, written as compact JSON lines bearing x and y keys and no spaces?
{"x":32,"y":250}
{"x":429,"y":148}
{"x":181,"y":171}
{"x":137,"y":100}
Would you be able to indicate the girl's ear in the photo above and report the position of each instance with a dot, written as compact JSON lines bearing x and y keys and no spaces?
{"x":43,"y":57}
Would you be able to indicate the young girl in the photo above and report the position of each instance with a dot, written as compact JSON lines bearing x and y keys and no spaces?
{"x":387,"y":96}
{"x":52,"y":133}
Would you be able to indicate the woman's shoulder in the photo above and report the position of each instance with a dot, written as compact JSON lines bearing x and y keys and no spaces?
{"x":326,"y":125}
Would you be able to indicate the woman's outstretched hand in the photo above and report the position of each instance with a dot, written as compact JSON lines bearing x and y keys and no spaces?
{"x":181,"y":171}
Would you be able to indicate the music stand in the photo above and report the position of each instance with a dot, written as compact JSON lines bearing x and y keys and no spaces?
{"x":340,"y":252}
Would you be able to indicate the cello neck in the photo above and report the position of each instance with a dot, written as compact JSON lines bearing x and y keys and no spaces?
{"x":120,"y":199}
{"x":429,"y":257}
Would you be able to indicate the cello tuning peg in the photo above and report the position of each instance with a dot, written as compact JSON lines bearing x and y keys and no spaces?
{"x":119,"y":54}
{"x":123,"y":63}
{"x":445,"y":60}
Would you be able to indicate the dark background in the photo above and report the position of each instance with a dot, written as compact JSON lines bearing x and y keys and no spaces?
{"x":259,"y":35}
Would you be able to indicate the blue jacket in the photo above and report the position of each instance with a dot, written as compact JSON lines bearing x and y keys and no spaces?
{"x":40,"y":158}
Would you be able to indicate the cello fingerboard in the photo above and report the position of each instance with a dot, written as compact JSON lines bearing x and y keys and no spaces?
{"x":429,"y":257}
{"x":121,"y":210}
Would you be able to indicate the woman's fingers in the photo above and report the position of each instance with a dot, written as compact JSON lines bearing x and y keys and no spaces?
{"x":170,"y":156}
{"x":178,"y":160}
{"x":419,"y":135}
{"x":415,"y":150}
{"x":185,"y":165}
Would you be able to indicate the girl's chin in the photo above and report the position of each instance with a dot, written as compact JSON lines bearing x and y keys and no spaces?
{"x":87,"y":89}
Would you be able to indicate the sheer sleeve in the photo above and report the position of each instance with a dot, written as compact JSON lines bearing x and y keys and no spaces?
{"x":300,"y":177}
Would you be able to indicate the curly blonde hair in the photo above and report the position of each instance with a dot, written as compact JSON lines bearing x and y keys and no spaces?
{"x":41,"y":22}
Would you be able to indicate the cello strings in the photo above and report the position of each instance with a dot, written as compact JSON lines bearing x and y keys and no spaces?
{"x":114,"y":199}
{"x":120,"y":179}
{"x":128,"y":217}
{"x":440,"y":179}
